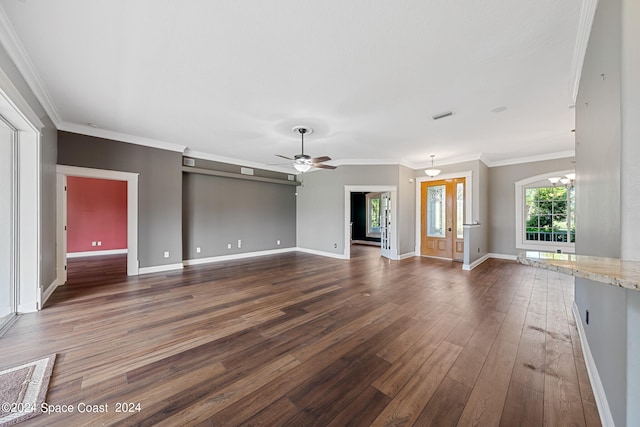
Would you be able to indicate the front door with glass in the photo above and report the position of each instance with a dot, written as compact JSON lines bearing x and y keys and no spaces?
{"x":442,"y":213}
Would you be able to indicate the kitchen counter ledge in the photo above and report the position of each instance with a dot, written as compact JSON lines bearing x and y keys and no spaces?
{"x":611,"y":271}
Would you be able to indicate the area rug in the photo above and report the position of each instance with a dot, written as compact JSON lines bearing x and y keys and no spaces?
{"x":23,"y":389}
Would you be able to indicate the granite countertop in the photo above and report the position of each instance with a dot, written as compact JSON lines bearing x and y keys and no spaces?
{"x":612,"y":271}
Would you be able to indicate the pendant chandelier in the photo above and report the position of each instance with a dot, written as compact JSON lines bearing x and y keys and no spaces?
{"x":432,"y":171}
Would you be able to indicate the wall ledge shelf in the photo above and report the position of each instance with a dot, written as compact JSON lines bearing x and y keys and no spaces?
{"x":611,"y":271}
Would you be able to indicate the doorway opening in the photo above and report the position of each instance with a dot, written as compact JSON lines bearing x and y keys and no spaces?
{"x":96,"y":223}
{"x":380,"y":222}
{"x":131,"y":179}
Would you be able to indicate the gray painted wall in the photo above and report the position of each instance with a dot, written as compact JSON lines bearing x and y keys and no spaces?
{"x":320,"y":203}
{"x":406,"y":210}
{"x":502,"y":201}
{"x":480,"y":235}
{"x":218,"y":211}
{"x":48,"y":224}
{"x":159,"y":189}
{"x":607,"y":222}
{"x":48,"y":147}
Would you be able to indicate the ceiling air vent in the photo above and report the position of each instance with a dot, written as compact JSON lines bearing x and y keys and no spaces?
{"x":442,"y":115}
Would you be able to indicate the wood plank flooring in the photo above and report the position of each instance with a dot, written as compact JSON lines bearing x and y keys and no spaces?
{"x":296,"y":340}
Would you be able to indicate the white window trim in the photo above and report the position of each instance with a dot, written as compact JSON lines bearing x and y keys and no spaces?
{"x":521,"y":243}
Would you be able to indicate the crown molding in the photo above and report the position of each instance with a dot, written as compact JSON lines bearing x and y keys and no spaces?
{"x":11,"y":42}
{"x":371,"y":162}
{"x":449,"y":161}
{"x":119,"y":136}
{"x":587,"y":13}
{"x":530,"y":159}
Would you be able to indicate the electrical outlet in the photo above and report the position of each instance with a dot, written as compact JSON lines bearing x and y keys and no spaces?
{"x":198,"y":250}
{"x":277,"y":242}
{"x":93,"y":243}
{"x":166,"y":254}
{"x":99,"y":243}
{"x":239,"y":243}
{"x":229,"y":246}
{"x":335,"y":246}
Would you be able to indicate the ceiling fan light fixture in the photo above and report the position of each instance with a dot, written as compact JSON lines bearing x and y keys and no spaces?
{"x":432,"y":171}
{"x":301,"y":167}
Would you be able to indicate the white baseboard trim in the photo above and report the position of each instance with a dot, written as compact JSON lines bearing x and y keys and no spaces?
{"x":207,"y":260}
{"x":474,"y":264}
{"x":407,"y":255}
{"x":321,"y":253}
{"x":503,"y":256}
{"x":598,"y":390}
{"x":160,"y":268}
{"x":97,"y":253}
{"x":47,"y":293}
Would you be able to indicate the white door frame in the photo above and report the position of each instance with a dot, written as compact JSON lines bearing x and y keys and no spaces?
{"x":348,"y":189}
{"x":468,"y":200}
{"x":17,"y":111}
{"x":132,"y":211}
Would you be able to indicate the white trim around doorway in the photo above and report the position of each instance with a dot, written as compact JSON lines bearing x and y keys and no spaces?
{"x":348,"y":189}
{"x":17,"y":111}
{"x":132,"y":209}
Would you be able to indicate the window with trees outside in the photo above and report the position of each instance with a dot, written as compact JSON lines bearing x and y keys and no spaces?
{"x":373,"y":215}
{"x":545,"y":215}
{"x":549,"y":214}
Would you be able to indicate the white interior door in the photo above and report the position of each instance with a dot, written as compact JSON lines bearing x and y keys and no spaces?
{"x":385,"y":225}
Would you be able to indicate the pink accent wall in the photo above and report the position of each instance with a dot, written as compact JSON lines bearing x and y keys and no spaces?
{"x":96,"y":211}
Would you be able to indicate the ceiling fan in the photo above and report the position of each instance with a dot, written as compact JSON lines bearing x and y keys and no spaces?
{"x":303,"y":162}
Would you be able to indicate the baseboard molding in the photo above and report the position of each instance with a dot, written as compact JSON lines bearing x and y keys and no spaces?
{"x":207,"y":260}
{"x":598,"y":390}
{"x":321,"y":253}
{"x":97,"y":253}
{"x":47,"y":293}
{"x":503,"y":256}
{"x":474,"y":264}
{"x":160,"y":268}
{"x":407,"y":255}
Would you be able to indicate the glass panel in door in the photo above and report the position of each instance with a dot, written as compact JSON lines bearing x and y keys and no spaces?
{"x":436,"y":211}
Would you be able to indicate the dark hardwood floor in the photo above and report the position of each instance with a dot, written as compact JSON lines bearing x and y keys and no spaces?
{"x":296,"y":339}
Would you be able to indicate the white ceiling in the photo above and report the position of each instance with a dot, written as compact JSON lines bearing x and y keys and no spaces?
{"x":229,"y":78}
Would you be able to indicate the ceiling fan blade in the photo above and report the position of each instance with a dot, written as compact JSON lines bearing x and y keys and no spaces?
{"x":284,"y":157}
{"x":322,"y":166}
{"x":321,"y":159}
